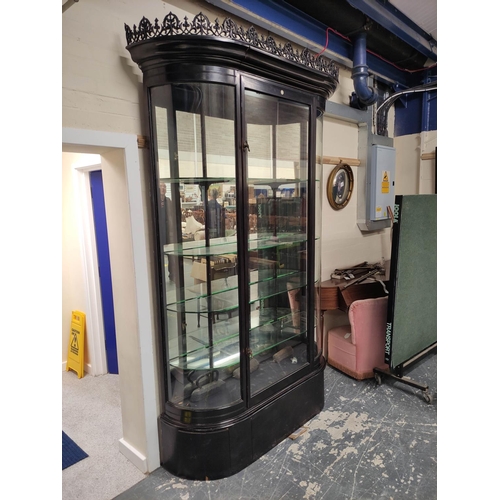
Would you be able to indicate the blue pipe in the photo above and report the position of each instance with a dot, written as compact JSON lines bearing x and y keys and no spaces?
{"x":365,"y":94}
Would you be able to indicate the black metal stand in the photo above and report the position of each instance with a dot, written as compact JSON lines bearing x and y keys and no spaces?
{"x":397,"y":373}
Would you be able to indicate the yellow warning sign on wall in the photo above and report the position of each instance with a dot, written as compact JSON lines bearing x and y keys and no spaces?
{"x":385,"y":182}
{"x":76,"y":343}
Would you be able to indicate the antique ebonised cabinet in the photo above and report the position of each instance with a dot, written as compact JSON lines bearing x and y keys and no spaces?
{"x":235,"y":129}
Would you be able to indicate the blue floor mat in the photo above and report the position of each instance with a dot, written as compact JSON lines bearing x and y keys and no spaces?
{"x":71,"y":452}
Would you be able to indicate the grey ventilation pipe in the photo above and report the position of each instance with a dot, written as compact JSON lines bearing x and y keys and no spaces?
{"x":362,"y":92}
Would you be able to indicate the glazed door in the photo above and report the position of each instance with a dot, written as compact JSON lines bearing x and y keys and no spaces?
{"x":236,"y":239}
{"x":196,"y":174}
{"x":276,"y":135}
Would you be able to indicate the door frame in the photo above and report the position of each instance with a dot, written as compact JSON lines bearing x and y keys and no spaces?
{"x":94,"y":317}
{"x":147,"y":458}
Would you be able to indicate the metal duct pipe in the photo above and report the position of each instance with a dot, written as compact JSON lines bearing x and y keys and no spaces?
{"x":364,"y":94}
{"x":383,"y":108}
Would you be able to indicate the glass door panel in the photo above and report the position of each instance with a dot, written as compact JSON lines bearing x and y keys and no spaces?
{"x":196,"y":174}
{"x":277,"y":162}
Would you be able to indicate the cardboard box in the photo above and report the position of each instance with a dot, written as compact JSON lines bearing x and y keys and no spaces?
{"x":218,"y":269}
{"x":199,"y":272}
{"x":221,"y":260}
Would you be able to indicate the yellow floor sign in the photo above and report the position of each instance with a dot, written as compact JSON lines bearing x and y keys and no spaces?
{"x":76,"y":343}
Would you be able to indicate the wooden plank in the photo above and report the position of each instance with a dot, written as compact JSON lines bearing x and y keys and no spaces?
{"x":428,"y":156}
{"x":142,"y":142}
{"x":335,"y":160}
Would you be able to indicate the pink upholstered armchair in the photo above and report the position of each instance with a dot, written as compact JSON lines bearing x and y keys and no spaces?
{"x":357,"y":348}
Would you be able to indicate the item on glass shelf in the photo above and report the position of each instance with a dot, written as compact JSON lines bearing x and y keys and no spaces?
{"x":284,"y":353}
{"x":208,"y":384}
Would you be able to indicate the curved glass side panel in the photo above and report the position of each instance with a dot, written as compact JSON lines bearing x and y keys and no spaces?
{"x":196,"y":176}
{"x":277,"y":163}
{"x":319,"y":334}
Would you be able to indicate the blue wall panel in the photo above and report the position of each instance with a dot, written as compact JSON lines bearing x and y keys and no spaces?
{"x":416,"y":113}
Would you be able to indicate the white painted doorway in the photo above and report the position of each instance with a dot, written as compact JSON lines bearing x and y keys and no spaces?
{"x":128,"y":255}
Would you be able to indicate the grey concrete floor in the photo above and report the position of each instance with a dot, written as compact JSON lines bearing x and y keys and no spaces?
{"x":369,"y":442}
{"x":91,"y":416}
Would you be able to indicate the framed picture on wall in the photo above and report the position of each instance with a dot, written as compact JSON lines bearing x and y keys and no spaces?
{"x":340,"y":185}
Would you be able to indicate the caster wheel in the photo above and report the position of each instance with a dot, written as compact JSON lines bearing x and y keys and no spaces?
{"x":428,"y":397}
{"x":378,"y":379}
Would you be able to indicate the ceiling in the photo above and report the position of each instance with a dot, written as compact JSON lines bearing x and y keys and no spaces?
{"x":401,"y":32}
{"x":422,"y":12}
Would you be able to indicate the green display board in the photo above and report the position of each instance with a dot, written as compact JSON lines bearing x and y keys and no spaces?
{"x":412,"y":307}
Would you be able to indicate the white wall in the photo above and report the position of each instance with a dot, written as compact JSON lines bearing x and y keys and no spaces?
{"x":123,"y":275}
{"x":427,"y":167}
{"x":415,"y":175}
{"x":342,"y":242}
{"x":101,"y":85}
{"x":73,"y":279}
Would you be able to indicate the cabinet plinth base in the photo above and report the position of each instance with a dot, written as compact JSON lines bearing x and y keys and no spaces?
{"x":224,"y":450}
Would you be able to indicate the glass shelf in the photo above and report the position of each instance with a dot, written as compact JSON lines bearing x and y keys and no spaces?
{"x":263,"y":181}
{"x":252,"y":181}
{"x":197,"y":180}
{"x":228,"y":245}
{"x":199,"y":290}
{"x":224,"y":299}
{"x":224,"y":351}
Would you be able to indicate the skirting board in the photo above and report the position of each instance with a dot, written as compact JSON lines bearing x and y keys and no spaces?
{"x":131,"y":454}
{"x":87,"y":369}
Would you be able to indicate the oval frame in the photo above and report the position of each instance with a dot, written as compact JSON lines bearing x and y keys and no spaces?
{"x":337,"y":180}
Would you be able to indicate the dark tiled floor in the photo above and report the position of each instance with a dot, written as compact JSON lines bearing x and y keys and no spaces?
{"x":369,"y":442}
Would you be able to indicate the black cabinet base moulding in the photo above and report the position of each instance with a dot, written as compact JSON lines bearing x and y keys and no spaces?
{"x":220,"y":452}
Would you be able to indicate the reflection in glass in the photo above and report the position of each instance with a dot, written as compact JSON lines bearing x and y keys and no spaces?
{"x":195,"y":168}
{"x":277,"y":135}
{"x":198,"y":235}
{"x":340,"y":187}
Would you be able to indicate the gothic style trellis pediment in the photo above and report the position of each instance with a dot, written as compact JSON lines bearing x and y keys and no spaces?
{"x":201,"y":26}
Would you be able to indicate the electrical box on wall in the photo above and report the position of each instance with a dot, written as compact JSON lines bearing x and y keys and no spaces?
{"x":382,"y":187}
